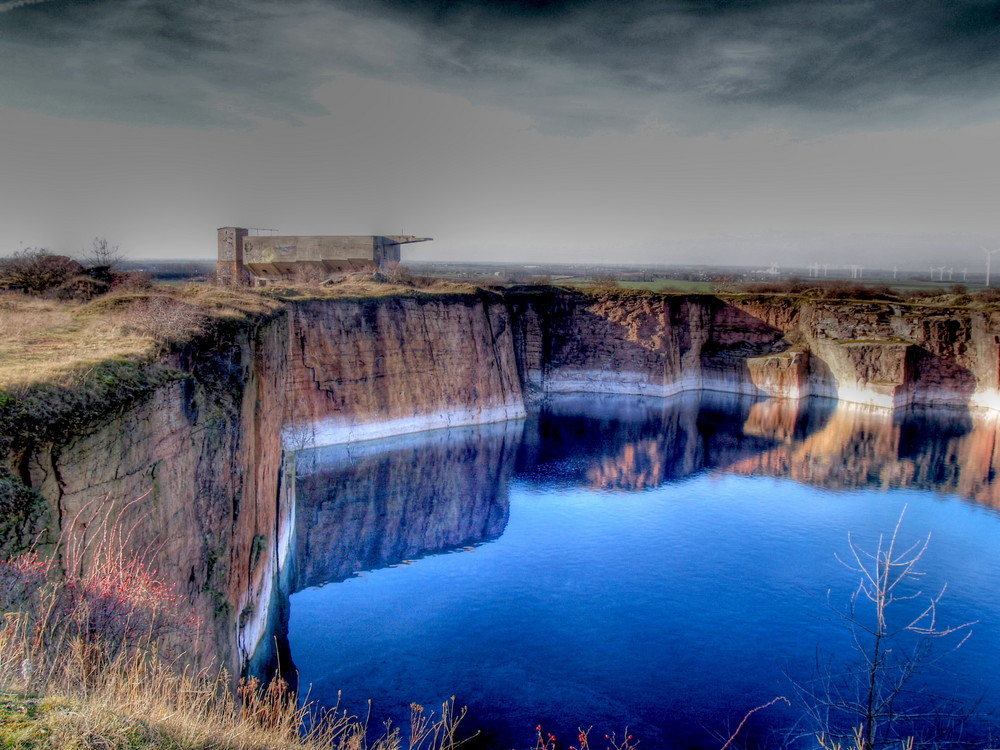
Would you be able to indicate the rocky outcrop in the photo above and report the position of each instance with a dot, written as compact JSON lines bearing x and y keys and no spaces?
{"x":875,"y":353}
{"x":203,"y":450}
{"x":642,"y":344}
{"x":385,"y":366}
{"x":887,"y":354}
{"x":191,"y":471}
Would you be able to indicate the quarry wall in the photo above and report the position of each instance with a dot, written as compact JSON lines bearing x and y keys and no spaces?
{"x":385,"y":366}
{"x":190,"y":473}
{"x":206,"y":451}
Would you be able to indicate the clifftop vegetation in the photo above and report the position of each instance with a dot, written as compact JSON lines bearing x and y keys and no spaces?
{"x":63,"y":363}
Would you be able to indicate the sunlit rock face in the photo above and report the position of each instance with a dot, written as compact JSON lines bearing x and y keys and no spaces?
{"x":643,"y":345}
{"x":875,"y":353}
{"x":388,"y":366}
{"x":189,"y":476}
{"x":887,"y":354}
{"x":377,"y":367}
{"x":367,"y":506}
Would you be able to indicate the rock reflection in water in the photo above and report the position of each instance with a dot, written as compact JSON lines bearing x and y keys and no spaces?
{"x":948,"y":451}
{"x":612,"y":443}
{"x":369,"y":505}
{"x":630,"y":443}
{"x":659,"y":575}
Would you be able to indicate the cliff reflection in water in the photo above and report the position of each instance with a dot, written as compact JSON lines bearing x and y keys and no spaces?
{"x":628,"y":444}
{"x":370,"y":505}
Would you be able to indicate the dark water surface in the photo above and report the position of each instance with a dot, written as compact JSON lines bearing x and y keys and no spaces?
{"x":665,"y":565}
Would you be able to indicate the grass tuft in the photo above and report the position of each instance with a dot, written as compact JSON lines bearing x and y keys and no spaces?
{"x":81,"y":666}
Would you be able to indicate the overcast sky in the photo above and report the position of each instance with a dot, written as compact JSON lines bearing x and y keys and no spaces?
{"x":678,"y":131}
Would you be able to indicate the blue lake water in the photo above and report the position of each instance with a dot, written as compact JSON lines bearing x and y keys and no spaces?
{"x":660,"y":565}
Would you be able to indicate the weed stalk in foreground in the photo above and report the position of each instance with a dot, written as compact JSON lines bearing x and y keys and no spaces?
{"x":83,"y":628}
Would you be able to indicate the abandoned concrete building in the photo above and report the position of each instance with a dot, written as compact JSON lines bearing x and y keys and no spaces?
{"x":244,"y":258}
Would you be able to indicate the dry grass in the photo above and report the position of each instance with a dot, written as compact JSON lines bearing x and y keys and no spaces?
{"x":361,"y":285}
{"x":47,"y":340}
{"x":52,"y":341}
{"x":139,"y":706}
{"x":81,"y":666}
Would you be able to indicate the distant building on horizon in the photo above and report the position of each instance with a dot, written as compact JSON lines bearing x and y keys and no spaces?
{"x":243,"y":257}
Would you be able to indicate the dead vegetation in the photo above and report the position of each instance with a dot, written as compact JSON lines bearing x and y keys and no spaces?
{"x":50,"y":340}
{"x":81,"y":666}
{"x":396,"y":281}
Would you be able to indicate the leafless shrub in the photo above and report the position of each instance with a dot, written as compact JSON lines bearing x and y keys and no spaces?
{"x":897,"y":634}
{"x":987,"y":296}
{"x":89,"y":629}
{"x":165,"y":320}
{"x":81,"y":288}
{"x":132,"y":281}
{"x":396,"y":273}
{"x":102,"y":254}
{"x":922,"y":294}
{"x":37,"y":270}
{"x":854,"y":290}
{"x":791,"y":285}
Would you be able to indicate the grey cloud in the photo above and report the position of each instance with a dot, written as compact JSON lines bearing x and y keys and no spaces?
{"x":573,"y":66}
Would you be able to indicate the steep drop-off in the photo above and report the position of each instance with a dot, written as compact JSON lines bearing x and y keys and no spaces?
{"x":191,"y":471}
{"x":883,"y":354}
{"x":202,"y":452}
{"x":370,"y":368}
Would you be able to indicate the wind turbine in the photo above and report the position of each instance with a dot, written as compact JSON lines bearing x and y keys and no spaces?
{"x":989,"y":258}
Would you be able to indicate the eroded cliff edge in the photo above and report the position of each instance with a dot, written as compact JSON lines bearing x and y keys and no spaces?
{"x":189,"y":472}
{"x":202,"y":450}
{"x":360,"y":369}
{"x":881,"y":354}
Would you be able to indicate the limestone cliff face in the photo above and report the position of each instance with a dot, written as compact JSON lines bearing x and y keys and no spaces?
{"x":875,"y":353}
{"x":204,"y":451}
{"x":642,"y":344}
{"x":386,"y":366}
{"x":193,"y":470}
{"x":887,"y":354}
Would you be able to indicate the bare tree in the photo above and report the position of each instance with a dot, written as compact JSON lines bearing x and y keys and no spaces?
{"x":875,"y":702}
{"x":36,"y":270}
{"x":102,"y":254}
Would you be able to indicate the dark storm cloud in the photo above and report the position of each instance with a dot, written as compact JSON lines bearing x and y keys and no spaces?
{"x":571,"y":65}
{"x":151,"y":61}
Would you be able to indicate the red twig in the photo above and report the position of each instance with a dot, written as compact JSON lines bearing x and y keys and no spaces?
{"x":750,"y":713}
